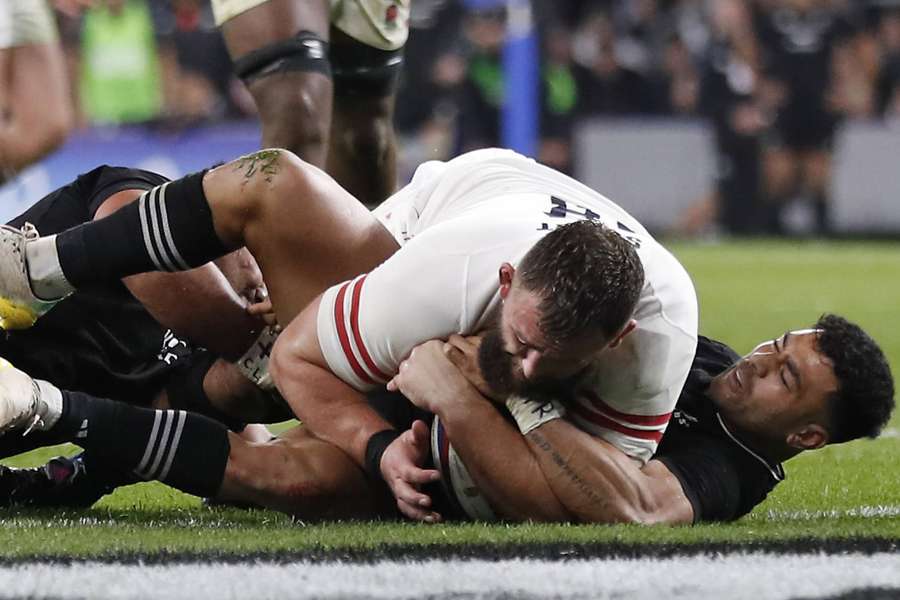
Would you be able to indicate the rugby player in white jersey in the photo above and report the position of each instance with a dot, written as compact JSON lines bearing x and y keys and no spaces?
{"x":450,"y":244}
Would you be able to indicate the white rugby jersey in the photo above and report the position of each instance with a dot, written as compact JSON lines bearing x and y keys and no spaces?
{"x":457,"y":222}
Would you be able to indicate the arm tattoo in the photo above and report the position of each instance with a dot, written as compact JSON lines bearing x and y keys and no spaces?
{"x":567,"y":470}
{"x":263,"y":161}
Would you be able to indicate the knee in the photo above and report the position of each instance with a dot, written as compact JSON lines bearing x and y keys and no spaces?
{"x":295,"y":113}
{"x":365,"y":142}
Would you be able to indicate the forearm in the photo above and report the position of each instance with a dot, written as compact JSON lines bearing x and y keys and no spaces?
{"x":499,"y":460}
{"x":600,"y":484}
{"x":331,"y":409}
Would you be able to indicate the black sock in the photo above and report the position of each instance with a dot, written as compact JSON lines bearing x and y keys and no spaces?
{"x":184,"y":450}
{"x":169,"y":228}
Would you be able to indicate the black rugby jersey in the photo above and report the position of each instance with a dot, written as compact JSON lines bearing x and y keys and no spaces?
{"x":100,"y":340}
{"x":722,"y":477}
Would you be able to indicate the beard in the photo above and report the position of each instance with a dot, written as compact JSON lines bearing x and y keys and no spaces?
{"x":504,"y":379}
{"x":496,"y":364}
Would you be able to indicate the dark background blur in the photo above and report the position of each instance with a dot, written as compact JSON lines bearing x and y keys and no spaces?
{"x":709,"y":116}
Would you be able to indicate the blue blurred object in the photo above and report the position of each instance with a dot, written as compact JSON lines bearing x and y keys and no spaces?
{"x":519,"y":120}
{"x":169,"y":153}
{"x":484,"y":4}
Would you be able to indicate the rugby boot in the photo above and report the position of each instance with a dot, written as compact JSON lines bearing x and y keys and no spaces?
{"x":62,"y":482}
{"x":23,"y":403}
{"x":19,"y":307}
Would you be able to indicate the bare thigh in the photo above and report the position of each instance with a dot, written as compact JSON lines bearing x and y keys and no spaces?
{"x":305,"y":231}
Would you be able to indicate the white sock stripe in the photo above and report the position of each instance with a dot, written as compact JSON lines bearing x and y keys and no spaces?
{"x":157,"y":231}
{"x":151,"y":443}
{"x":173,"y":445}
{"x":167,"y":231}
{"x":145,"y":230}
{"x":161,"y":448}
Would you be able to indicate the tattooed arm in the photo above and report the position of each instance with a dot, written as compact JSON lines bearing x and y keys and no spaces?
{"x":598,"y":483}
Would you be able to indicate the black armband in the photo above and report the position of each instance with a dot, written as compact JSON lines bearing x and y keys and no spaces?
{"x":378,"y":443}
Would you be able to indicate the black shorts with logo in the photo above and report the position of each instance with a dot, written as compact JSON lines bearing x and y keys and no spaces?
{"x":100,"y":340}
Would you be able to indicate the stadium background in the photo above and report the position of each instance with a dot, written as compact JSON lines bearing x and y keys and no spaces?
{"x":646,"y":101}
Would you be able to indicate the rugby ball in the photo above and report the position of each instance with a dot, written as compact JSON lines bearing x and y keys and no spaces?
{"x":455,"y":478}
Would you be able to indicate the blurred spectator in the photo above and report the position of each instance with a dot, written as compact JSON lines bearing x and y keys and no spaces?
{"x":120,"y":71}
{"x":559,"y":100}
{"x":734,"y":98}
{"x":481,"y":96}
{"x":800,"y":39}
{"x":202,"y":71}
{"x":608,"y":87}
{"x":888,"y":86}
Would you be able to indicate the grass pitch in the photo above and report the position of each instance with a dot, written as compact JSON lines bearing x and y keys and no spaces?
{"x":749,"y":291}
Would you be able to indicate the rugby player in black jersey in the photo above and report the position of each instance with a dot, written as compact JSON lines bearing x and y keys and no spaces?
{"x":150,"y":340}
{"x":736,"y":421}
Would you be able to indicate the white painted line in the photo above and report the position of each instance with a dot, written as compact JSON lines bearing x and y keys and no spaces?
{"x":747,"y":576}
{"x":860,"y":511}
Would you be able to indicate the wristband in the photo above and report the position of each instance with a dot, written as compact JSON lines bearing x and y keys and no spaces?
{"x":530,"y":414}
{"x":254,"y":364}
{"x":375,"y":448}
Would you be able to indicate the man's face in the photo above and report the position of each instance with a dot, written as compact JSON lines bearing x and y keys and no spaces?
{"x":515,"y":356}
{"x":780,"y":387}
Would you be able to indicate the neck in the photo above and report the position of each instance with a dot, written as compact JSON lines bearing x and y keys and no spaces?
{"x":773,"y":451}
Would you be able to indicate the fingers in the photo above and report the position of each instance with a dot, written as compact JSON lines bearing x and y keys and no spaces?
{"x":260,"y":308}
{"x":420,"y":431}
{"x":456,"y":356}
{"x":410,"y":501}
{"x":418,"y":514}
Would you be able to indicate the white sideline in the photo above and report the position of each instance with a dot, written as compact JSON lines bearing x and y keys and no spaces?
{"x":859,"y":511}
{"x":736,"y":576}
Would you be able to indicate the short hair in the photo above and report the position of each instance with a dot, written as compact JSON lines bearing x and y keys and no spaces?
{"x":864,"y":400}
{"x":588,"y":276}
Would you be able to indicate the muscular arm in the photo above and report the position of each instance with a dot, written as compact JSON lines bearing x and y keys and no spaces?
{"x":556,"y":472}
{"x":498,"y":459}
{"x":333,"y":410}
{"x":223,"y":326}
{"x":599,"y":483}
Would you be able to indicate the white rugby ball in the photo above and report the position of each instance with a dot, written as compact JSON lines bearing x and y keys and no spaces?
{"x":455,"y":478}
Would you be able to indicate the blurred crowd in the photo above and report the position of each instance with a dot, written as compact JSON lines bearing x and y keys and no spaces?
{"x":774,"y":78}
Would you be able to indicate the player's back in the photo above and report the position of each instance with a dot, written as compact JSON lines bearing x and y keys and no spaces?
{"x":492,"y":205}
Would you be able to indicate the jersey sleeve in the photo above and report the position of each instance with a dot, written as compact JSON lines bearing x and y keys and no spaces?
{"x":631,"y":392}
{"x":709,"y":477}
{"x":368,"y":325}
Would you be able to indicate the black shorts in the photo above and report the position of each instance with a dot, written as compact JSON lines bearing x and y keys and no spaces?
{"x":100,"y":340}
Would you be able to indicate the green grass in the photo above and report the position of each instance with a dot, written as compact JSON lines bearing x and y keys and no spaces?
{"x":748,"y":291}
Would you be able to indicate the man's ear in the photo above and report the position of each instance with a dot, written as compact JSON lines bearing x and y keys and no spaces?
{"x":507,"y":271}
{"x":629,"y":327}
{"x":811,"y":437}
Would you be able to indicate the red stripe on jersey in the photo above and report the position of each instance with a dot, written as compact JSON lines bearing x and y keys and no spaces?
{"x":344,"y":338}
{"x":649,"y":420}
{"x":603,"y":421}
{"x":354,"y":326}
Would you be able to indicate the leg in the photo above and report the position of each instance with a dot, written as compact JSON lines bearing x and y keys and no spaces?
{"x":304,"y":230}
{"x":363,"y":154}
{"x":817,"y":178}
{"x":294,"y":101}
{"x":37,"y":102}
{"x":301,"y":475}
